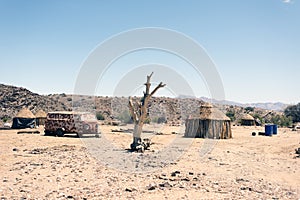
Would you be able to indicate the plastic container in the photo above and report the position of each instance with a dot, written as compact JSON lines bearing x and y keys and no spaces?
{"x":268,"y":130}
{"x":274,"y":129}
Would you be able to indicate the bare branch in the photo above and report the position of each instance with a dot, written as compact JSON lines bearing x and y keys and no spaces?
{"x":161,"y":85}
{"x":131,"y":109}
{"x":148,"y":84}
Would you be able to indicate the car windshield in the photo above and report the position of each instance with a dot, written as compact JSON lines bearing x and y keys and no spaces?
{"x":88,"y":117}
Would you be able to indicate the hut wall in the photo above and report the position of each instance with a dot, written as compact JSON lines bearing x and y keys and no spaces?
{"x":246,"y":122}
{"x":40,"y":121}
{"x":218,"y":129}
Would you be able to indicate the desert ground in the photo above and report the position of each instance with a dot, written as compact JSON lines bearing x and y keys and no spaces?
{"x":34,"y":166}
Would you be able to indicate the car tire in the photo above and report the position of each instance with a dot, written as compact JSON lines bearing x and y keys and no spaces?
{"x":60,"y":133}
{"x":47,"y":132}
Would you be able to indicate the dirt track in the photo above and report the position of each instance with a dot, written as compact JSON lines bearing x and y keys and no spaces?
{"x":34,"y":166}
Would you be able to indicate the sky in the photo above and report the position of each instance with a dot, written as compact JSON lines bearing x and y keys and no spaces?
{"x":254,"y":44}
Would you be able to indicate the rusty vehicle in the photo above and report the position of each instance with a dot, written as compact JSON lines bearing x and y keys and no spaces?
{"x":61,"y":122}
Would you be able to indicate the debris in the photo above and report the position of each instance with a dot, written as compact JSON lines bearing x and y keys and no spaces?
{"x":28,"y":132}
{"x":261,"y":133}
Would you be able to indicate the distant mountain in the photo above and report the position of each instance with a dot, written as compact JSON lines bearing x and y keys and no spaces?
{"x":278,"y":106}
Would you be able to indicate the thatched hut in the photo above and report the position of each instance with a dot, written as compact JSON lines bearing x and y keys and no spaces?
{"x":211,"y":123}
{"x":40,"y":117}
{"x":247,"y":120}
{"x":24,"y":119}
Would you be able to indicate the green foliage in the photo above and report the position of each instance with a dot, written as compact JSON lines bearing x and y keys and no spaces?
{"x":293,"y":112}
{"x":161,"y":120}
{"x":231,"y":115}
{"x":249,"y":109}
{"x":99,"y":116}
{"x":5,"y":119}
{"x":282,"y":120}
{"x":147,"y":121}
{"x":257,"y":116}
{"x":125,"y":117}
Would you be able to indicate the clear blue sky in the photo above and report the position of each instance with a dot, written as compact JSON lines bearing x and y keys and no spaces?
{"x":255,"y":44}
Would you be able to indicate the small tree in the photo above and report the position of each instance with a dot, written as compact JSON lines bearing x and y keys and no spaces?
{"x":99,"y":116}
{"x":249,"y":109}
{"x":231,"y":115}
{"x":125,"y":117}
{"x":293,"y":112}
{"x":139,"y":114}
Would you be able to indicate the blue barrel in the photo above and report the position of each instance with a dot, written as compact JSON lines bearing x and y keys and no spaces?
{"x":268,"y":130}
{"x":274,"y":129}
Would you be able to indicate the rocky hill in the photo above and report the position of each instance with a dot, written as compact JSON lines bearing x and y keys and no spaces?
{"x":13,"y":99}
{"x":172,"y":110}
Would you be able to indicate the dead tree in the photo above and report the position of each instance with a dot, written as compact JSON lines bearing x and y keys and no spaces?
{"x":140,"y":114}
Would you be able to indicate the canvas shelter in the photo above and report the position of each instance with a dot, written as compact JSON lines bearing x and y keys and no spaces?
{"x":24,"y":119}
{"x":211,"y":123}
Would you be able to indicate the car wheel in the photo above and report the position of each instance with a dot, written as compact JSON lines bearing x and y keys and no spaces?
{"x":47,"y":132}
{"x":60,"y":133}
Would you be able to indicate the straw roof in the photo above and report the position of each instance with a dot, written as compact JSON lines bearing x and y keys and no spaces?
{"x":25,"y":113}
{"x":40,"y":114}
{"x":247,"y":117}
{"x":207,"y":111}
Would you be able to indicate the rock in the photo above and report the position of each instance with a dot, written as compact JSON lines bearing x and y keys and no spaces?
{"x":185,"y":179}
{"x":175,"y":173}
{"x":130,"y":189}
{"x":191,"y":173}
{"x":15,"y":149}
{"x":165,"y":184}
{"x":152,"y":186}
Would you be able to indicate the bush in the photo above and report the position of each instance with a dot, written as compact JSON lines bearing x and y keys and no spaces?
{"x":257,"y":116}
{"x":249,"y":109}
{"x":231,"y":115}
{"x":293,"y":112}
{"x":5,"y":119}
{"x":125,"y":117}
{"x":147,"y":121}
{"x":99,"y":116}
{"x":282,"y":120}
{"x":161,"y":120}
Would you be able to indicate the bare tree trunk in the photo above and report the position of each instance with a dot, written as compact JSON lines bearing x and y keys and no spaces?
{"x":140,"y":115}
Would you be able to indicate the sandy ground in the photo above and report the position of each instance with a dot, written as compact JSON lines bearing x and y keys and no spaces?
{"x":34,"y":166}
